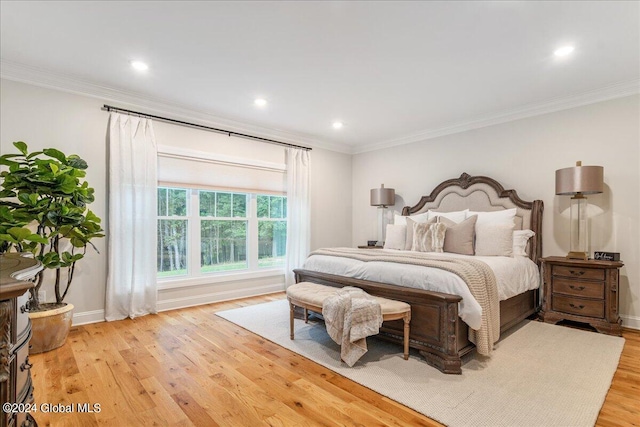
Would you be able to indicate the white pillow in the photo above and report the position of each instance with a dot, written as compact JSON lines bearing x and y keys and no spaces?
{"x":520,"y":240}
{"x":395,"y":236}
{"x":402,"y":220}
{"x":505,"y":215}
{"x":494,"y":239}
{"x":456,"y":217}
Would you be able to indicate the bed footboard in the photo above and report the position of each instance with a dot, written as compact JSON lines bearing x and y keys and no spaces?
{"x":436,"y":329}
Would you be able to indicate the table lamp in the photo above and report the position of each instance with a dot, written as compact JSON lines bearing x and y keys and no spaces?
{"x":382,"y":197}
{"x":577,"y":182}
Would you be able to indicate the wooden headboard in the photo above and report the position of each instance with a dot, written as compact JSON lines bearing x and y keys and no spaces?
{"x":484,"y":194}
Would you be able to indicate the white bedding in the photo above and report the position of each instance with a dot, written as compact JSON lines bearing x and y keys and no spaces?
{"x":513,"y":276}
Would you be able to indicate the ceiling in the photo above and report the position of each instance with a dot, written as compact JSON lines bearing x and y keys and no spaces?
{"x":392,"y":72}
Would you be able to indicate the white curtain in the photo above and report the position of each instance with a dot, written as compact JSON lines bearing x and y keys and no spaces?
{"x":133,"y":158}
{"x":298,"y":210}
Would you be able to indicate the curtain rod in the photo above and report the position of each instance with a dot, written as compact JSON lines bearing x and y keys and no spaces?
{"x":209,"y":128}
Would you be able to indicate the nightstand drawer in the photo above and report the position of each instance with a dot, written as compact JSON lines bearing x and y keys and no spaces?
{"x":578,"y":272}
{"x":579,"y":288}
{"x":580,"y":307}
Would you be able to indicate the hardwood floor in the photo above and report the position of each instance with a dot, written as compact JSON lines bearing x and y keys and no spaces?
{"x":190,"y":368}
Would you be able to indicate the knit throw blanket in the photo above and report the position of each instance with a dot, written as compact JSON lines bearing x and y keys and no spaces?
{"x":476,"y":274}
{"x":351,"y":315}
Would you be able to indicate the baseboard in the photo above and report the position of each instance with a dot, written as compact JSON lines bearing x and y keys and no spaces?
{"x":190,"y":301}
{"x":87,"y":317}
{"x":631,"y":322}
{"x":96,"y":316}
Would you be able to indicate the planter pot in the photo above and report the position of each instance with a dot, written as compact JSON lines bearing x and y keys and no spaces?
{"x":50,"y":328}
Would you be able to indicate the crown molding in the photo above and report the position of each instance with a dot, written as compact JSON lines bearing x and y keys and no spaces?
{"x":617,"y":90}
{"x":36,"y":76}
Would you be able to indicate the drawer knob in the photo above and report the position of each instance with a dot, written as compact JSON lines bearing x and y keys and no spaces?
{"x":579,"y":288}
{"x":23,"y":308}
{"x":26,"y":365}
{"x":579,"y":307}
{"x":576,"y":273}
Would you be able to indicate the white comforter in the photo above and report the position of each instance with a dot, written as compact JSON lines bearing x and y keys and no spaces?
{"x":513,"y":276}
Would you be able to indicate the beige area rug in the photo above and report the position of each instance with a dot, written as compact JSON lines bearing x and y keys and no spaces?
{"x":539,"y":374}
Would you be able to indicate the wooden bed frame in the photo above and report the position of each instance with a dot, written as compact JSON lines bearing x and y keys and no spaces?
{"x":437,"y":331}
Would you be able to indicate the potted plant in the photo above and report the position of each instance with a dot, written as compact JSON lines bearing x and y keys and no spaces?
{"x":43,"y":210}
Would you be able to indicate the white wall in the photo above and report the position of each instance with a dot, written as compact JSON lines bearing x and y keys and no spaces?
{"x":524,"y":155}
{"x":76,"y":124}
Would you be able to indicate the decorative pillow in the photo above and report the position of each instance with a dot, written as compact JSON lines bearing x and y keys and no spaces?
{"x":505,"y":215}
{"x":402,"y":220}
{"x":428,"y":237}
{"x":494,"y":239}
{"x":458,"y":238}
{"x":395,"y":236}
{"x":520,"y":240}
{"x":409,"y":237}
{"x":456,"y":217}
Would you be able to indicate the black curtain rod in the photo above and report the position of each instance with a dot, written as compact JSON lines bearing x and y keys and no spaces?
{"x":195,"y":125}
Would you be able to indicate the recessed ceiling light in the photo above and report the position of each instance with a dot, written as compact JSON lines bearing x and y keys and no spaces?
{"x":260,"y":102}
{"x":139,"y":65}
{"x":563,"y":51}
{"x":337,"y":125}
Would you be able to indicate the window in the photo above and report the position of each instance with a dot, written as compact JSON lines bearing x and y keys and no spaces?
{"x":272,"y":230}
{"x":223,"y":231}
{"x":172,"y":232}
{"x":203,"y":232}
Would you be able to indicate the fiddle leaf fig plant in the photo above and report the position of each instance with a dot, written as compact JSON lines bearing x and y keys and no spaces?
{"x":43,"y":210}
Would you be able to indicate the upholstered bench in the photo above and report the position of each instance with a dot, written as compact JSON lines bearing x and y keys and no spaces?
{"x":311,"y":296}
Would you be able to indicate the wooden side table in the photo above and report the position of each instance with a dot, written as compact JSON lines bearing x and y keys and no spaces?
{"x":582,"y":291}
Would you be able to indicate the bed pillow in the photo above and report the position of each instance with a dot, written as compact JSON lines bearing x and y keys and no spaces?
{"x":520,"y":240}
{"x":428,"y":237}
{"x":458,"y":238}
{"x":494,"y":239}
{"x":506,"y":215}
{"x":402,"y":220}
{"x":395,"y":237}
{"x":409,"y":236}
{"x":456,"y":217}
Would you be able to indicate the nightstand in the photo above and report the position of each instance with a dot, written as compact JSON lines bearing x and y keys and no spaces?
{"x":582,"y":291}
{"x":370,"y":247}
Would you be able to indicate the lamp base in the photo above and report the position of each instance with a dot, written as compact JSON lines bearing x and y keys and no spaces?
{"x":578,"y":255}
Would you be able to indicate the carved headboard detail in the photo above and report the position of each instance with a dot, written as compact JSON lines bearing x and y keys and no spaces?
{"x":482,"y":194}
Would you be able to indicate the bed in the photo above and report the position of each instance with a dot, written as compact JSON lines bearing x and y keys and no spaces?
{"x":437,"y":330}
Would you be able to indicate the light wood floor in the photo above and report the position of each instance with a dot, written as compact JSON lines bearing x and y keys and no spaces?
{"x":190,"y":368}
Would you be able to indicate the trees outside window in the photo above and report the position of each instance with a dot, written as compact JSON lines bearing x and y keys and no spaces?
{"x":203,"y":231}
{"x":272,"y":230}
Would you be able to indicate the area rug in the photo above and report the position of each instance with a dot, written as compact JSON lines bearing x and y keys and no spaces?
{"x":538,"y":375}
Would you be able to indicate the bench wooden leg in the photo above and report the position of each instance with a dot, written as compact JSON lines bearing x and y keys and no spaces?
{"x":291,"y":311}
{"x":407,"y":319}
{"x":306,"y":315}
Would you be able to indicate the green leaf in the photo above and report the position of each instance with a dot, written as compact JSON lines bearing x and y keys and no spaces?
{"x":7,"y":162}
{"x":78,"y":243}
{"x":19,"y":233}
{"x":37,"y":239}
{"x":21,"y":146}
{"x":56,"y":154}
{"x":54,"y":168}
{"x":76,"y":162}
{"x":93,"y":217}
